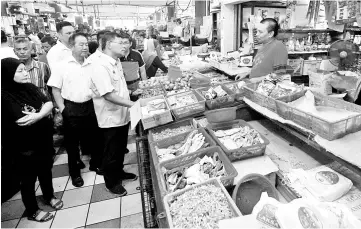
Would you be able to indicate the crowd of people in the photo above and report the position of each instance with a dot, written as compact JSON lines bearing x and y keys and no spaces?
{"x":88,"y":80}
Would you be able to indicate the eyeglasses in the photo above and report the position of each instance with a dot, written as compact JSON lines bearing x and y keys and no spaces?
{"x":121,"y":43}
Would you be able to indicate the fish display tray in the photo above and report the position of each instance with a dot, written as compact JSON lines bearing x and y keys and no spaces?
{"x":218,"y":102}
{"x":266,"y":101}
{"x":240,"y":91}
{"x":240,"y":153}
{"x":158,"y":119}
{"x":189,"y":110}
{"x":187,"y":122}
{"x":325,"y":129}
{"x":158,"y":87}
{"x":165,"y":143}
{"x":188,"y":160}
{"x":170,"y":197}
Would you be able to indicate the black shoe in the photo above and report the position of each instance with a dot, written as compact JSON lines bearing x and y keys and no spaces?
{"x":77,"y":181}
{"x":129,"y":176}
{"x":81,"y":164}
{"x":97,"y":170}
{"x":118,"y":189}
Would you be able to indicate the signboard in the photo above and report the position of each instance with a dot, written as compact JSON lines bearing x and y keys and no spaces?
{"x":347,"y":11}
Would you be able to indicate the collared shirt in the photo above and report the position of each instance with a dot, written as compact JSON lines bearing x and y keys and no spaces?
{"x":95,"y":56}
{"x":107,"y":76}
{"x":39,"y":74}
{"x":58,"y":53}
{"x":72,"y":79}
{"x":271,"y":57}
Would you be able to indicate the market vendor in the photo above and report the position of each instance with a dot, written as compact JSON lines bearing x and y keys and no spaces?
{"x":153,"y":63}
{"x":132,"y":63}
{"x":272,"y":56}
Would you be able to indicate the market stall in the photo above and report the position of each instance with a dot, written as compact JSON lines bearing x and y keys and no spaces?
{"x":283,"y":143}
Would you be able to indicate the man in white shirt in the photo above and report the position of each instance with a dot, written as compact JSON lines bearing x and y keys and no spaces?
{"x":112,"y":103}
{"x":71,"y":90}
{"x":61,"y":50}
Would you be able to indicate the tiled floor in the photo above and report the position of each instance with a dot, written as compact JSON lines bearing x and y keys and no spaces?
{"x":90,"y":206}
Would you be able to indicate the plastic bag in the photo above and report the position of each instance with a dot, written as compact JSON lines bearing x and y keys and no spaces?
{"x":325,"y":184}
{"x":265,"y":210}
{"x":58,"y":119}
{"x":303,"y":213}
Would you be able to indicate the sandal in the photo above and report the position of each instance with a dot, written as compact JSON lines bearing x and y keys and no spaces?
{"x":55,"y":203}
{"x":41,"y":216}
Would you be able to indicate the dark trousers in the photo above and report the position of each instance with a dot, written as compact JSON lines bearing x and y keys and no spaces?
{"x":30,"y":167}
{"x":115,"y":147}
{"x":81,"y":129}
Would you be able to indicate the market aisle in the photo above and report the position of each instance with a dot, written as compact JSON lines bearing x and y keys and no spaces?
{"x":90,"y":206}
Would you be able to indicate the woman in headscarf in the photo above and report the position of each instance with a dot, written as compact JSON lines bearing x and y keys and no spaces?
{"x":27,"y":134}
{"x":152,"y":63}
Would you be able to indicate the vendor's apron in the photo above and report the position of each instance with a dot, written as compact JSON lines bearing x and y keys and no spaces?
{"x":131,"y":74}
{"x":132,"y":77}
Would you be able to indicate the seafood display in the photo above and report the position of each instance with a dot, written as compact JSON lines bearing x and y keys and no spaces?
{"x":151,"y":92}
{"x":193,"y":142}
{"x":154,"y":81}
{"x":200,"y":207}
{"x":179,"y":85}
{"x":238,"y":137}
{"x":235,"y":87}
{"x":214,"y":92}
{"x":166,"y":133}
{"x":278,"y":90}
{"x":154,"y":107}
{"x":202,"y":169}
{"x":177,"y":101}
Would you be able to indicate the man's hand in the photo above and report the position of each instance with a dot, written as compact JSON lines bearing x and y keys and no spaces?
{"x":241,"y":76}
{"x":29,"y":119}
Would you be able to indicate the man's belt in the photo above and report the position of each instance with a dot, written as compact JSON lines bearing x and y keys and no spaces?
{"x":133,"y":81}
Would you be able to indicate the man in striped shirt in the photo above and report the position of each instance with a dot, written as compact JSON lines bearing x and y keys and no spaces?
{"x":38,"y":72}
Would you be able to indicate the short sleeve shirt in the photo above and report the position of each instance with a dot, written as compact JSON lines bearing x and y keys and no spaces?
{"x":58,"y":53}
{"x":72,"y":79}
{"x":134,"y":56}
{"x":107,"y":76}
{"x":270,"y":58}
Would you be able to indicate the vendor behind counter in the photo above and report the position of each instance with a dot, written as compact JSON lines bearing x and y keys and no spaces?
{"x":272,"y":56}
{"x":132,"y":63}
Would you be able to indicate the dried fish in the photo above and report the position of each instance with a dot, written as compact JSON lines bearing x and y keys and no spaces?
{"x":200,"y":207}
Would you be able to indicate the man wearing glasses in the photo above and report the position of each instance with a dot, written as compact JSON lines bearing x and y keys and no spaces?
{"x":61,"y":50}
{"x":132,"y":63}
{"x":112,"y":103}
{"x":70,"y":84}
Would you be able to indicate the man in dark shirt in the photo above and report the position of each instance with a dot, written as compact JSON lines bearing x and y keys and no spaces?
{"x":132,"y":63}
{"x":272,"y":56}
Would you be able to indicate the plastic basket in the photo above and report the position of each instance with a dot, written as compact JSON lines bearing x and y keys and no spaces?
{"x":187,"y":122}
{"x":165,"y":143}
{"x":323,"y":128}
{"x":158,"y":119}
{"x":221,"y":101}
{"x":239,"y":93}
{"x":240,"y":153}
{"x":266,"y":101}
{"x":187,"y":161}
{"x":170,"y":197}
{"x":189,"y":110}
{"x":221,"y":115}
